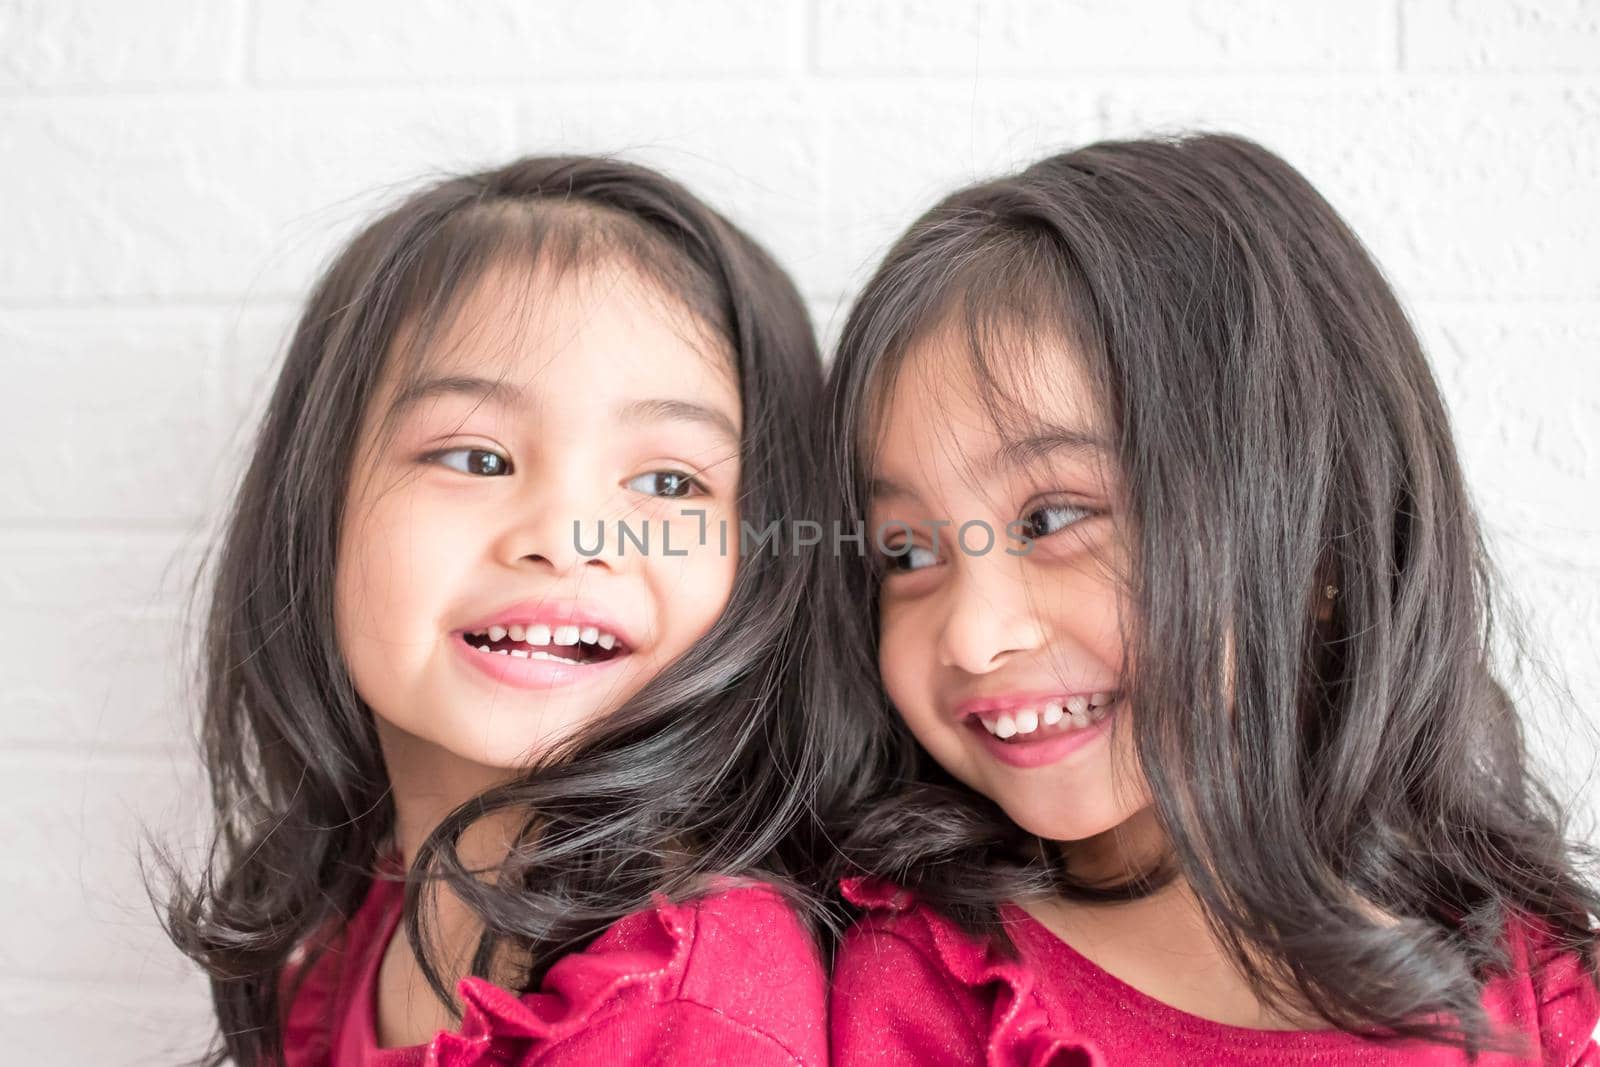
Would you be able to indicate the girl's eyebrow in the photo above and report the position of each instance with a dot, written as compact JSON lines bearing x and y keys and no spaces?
{"x":888,"y":489}
{"x":668,"y":410}
{"x":485,"y":390}
{"x":1046,"y":443}
{"x":506,"y":395}
{"x":1050,"y":440}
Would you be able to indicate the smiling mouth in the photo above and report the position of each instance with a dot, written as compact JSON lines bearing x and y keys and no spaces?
{"x":571,"y":645}
{"x":1051,"y":718}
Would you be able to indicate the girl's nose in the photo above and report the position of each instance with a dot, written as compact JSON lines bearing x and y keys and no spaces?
{"x":554,"y":526}
{"x":988,"y":621}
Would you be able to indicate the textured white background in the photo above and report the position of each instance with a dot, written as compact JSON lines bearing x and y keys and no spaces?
{"x":171,"y":173}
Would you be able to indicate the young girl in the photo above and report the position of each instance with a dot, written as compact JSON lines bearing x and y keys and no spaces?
{"x":444,"y":685}
{"x":1191,"y":750}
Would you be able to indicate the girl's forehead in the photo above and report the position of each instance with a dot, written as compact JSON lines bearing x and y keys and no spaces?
{"x":951,"y":423}
{"x":595,"y":327}
{"x":985,"y":395}
{"x":576,"y":352}
{"x":539,"y":309}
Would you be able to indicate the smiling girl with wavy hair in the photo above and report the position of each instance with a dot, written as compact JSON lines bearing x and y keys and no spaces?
{"x":486,"y":791}
{"x":1211,"y":766}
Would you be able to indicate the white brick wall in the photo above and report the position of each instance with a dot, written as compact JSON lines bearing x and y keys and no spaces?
{"x":172,"y":171}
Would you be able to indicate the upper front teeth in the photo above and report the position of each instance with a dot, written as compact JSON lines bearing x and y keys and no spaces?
{"x":1079,"y":711}
{"x":540,"y":634}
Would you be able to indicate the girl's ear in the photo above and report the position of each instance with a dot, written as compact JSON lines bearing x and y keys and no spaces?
{"x":1330,"y":593}
{"x":1326,"y":592}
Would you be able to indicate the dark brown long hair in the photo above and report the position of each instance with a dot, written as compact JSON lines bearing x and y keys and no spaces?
{"x":708,"y":770}
{"x":1277,"y":429}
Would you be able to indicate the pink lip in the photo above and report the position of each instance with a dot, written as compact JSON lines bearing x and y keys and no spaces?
{"x":1043,"y":752}
{"x":542,"y":673}
{"x":552,"y":613}
{"x":533,"y":673}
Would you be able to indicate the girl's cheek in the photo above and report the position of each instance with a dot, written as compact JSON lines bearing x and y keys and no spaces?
{"x":714,"y":586}
{"x":899,"y":659}
{"x":692,"y":590}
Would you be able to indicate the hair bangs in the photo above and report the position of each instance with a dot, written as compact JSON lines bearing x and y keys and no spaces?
{"x":1000,"y":307}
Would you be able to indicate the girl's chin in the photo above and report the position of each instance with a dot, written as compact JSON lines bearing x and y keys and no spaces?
{"x":1052,"y":824}
{"x":504,"y":751}
{"x":1062,"y":831}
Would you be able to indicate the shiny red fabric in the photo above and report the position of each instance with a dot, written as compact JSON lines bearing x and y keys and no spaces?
{"x":731,"y":978}
{"x":910,"y":987}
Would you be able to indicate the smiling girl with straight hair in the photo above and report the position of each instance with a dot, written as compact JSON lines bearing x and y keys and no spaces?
{"x":573,"y":776}
{"x":1213,"y":766}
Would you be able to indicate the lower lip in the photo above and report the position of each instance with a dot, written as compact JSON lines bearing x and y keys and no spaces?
{"x":533,"y":673}
{"x":1043,"y":752}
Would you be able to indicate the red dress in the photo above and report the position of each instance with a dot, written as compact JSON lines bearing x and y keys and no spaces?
{"x":910,"y":987}
{"x":730,"y":978}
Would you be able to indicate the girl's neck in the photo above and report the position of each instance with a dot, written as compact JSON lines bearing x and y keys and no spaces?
{"x":427,"y":783}
{"x":1160,"y":944}
{"x":1134,"y":847}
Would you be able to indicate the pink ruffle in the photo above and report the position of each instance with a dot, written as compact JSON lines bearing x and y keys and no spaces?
{"x":500,"y":1027}
{"x":1019,"y":1029}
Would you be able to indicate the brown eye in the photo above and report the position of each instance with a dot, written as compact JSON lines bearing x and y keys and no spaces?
{"x":1052,"y":518}
{"x":904,"y":559}
{"x":665,"y":483}
{"x":483,"y":462}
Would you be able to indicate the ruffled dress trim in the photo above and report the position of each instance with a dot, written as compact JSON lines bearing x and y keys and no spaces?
{"x":500,"y":1027}
{"x":1020,"y":1033}
{"x":1546,"y":994}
